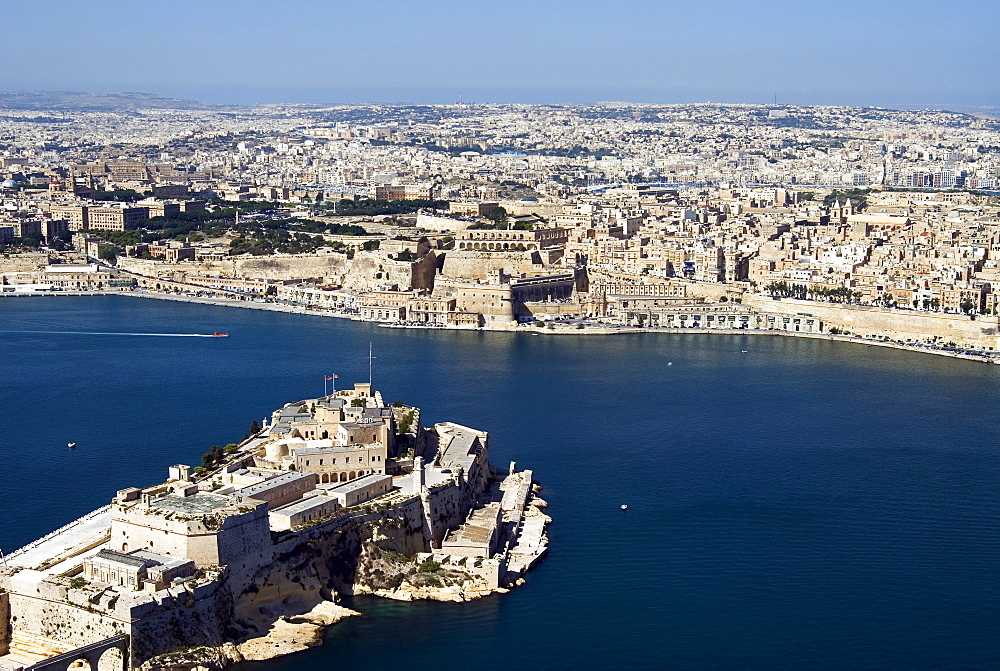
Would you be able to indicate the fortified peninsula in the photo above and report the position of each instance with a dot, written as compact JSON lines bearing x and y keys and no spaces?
{"x":246,"y":557}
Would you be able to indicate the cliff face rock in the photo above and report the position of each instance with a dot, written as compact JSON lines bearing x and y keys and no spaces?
{"x":294,"y":634}
{"x":199,"y":658}
{"x":282,"y":607}
{"x":257,"y":609}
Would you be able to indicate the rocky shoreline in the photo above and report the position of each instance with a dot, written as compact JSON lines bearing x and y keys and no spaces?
{"x":276,"y":547}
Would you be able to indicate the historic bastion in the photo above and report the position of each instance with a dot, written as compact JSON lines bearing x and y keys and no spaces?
{"x":334,"y":496}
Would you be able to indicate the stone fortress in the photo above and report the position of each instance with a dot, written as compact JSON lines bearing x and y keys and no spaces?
{"x":334,"y":495}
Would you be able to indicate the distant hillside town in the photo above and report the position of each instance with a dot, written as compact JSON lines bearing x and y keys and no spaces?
{"x":877,"y":223}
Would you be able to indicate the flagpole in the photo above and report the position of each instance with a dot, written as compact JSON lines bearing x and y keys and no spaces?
{"x":324,"y":384}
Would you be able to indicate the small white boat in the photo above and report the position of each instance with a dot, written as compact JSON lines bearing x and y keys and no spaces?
{"x":71,"y":445}
{"x":624,"y":507}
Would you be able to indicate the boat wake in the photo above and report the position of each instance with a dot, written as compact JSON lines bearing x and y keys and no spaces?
{"x":108,"y":333}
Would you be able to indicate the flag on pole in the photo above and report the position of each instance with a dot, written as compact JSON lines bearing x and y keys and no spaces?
{"x":336,"y":376}
{"x":329,"y":377}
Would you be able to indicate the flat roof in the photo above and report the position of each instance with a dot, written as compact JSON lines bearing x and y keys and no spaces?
{"x":276,"y":481}
{"x":360,"y":483}
{"x":202,"y":502}
{"x":308,"y":503}
{"x":167,"y":561}
{"x":121,"y":558}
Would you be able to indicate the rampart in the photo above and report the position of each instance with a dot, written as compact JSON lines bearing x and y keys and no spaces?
{"x":980,"y":333}
{"x":477,"y":264}
{"x":4,"y":621}
{"x":330,"y":266}
{"x":369,"y":270}
{"x":348,"y":553}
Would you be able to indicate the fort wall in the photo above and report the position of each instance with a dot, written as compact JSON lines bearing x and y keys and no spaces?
{"x":479,"y":265}
{"x":239,"y":538}
{"x":981,"y":332}
{"x":4,"y":621}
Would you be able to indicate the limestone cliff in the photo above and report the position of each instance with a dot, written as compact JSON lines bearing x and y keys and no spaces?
{"x":365,"y":553}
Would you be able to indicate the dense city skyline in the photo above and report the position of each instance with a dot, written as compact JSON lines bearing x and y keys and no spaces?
{"x":550,"y":52}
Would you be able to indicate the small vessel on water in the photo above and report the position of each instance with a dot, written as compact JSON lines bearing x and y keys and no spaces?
{"x":71,"y":445}
{"x":624,"y":507}
{"x":220,"y":335}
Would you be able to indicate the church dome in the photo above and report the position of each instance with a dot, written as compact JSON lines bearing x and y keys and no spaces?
{"x":8,"y":184}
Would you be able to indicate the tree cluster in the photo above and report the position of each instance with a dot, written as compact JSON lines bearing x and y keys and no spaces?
{"x":785,"y":289}
{"x":859,"y":198}
{"x":368,"y":207}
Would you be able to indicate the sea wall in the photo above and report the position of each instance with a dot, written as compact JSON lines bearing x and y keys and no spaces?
{"x":981,"y":332}
{"x":4,"y":621}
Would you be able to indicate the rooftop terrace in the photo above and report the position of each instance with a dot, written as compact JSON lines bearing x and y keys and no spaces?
{"x":202,"y":502}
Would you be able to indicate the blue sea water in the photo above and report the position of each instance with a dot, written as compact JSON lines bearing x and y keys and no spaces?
{"x":803,"y":504}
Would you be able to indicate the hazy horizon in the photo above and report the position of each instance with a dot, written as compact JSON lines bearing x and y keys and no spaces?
{"x":900,"y":54}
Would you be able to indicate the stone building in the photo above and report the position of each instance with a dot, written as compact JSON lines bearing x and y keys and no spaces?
{"x":140,"y":569}
{"x":363,"y":489}
{"x":112,"y":218}
{"x":178,"y":520}
{"x":510,"y":240}
{"x":338,"y":438}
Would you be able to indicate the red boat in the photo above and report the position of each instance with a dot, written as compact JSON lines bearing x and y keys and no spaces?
{"x":220,"y":335}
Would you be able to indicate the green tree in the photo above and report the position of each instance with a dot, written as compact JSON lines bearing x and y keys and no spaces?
{"x":498,"y":216}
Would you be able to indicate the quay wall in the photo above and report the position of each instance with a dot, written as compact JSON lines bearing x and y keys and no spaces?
{"x":980,"y":333}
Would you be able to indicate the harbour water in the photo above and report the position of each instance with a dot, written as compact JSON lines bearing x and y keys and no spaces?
{"x":799,"y":504}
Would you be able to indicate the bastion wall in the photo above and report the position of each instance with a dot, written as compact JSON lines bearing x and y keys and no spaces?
{"x":332,"y":266}
{"x":369,"y":270}
{"x":897,"y":324}
{"x":4,"y":621}
{"x":460,"y":263}
{"x":239,"y":538}
{"x":52,"y":619}
{"x":286,"y":577}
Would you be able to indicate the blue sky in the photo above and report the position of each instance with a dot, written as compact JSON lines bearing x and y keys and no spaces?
{"x":848,"y":52}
